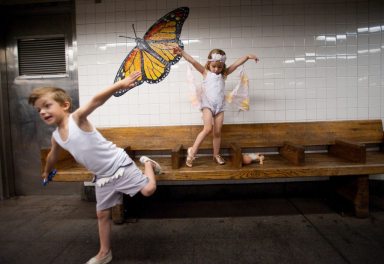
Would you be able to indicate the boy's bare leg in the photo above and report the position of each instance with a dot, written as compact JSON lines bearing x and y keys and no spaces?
{"x":150,"y":188}
{"x":104,"y":223}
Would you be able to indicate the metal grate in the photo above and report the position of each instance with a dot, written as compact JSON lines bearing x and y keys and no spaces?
{"x":44,"y":56}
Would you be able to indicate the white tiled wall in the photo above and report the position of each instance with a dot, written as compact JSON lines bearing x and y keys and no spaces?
{"x":319,"y":60}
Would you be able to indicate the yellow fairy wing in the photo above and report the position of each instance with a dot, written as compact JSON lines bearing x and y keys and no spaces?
{"x":239,"y":96}
{"x":244,"y":105}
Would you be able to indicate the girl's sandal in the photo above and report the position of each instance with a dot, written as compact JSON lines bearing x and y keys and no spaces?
{"x":190,"y":158}
{"x":219,"y":159}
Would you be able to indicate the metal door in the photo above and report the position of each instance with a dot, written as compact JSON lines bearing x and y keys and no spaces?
{"x":28,"y":133}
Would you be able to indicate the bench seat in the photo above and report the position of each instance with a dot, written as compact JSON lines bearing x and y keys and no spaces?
{"x":275,"y":166}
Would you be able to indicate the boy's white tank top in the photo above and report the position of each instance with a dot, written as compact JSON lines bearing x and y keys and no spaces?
{"x":92,"y":150}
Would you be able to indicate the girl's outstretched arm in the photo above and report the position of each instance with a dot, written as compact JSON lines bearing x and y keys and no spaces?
{"x":179,"y":51}
{"x":241,"y":61}
{"x":80,"y":115}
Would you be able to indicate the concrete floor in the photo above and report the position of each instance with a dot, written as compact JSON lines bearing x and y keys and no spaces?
{"x":63,"y":229}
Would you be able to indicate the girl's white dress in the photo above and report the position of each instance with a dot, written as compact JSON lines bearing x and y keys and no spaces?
{"x":210,"y":93}
{"x":213,"y":96}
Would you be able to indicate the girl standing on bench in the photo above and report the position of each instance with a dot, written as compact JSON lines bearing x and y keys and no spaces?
{"x":115,"y":172}
{"x":212,"y":99}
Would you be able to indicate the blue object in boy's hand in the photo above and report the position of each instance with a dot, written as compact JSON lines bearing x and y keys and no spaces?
{"x":50,"y":177}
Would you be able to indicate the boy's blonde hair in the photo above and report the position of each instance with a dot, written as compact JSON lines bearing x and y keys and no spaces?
{"x":58,"y":94}
{"x":222,"y":53}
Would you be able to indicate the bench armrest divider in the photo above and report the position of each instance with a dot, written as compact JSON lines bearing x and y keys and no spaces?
{"x":235,"y":155}
{"x":293,"y":153}
{"x":348,"y":150}
{"x":176,"y":156}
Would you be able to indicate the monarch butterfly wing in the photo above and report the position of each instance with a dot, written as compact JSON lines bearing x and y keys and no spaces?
{"x":154,"y":68}
{"x":162,"y":30}
{"x":158,"y":58}
{"x":164,"y":35}
{"x":153,"y":56}
{"x":133,"y":62}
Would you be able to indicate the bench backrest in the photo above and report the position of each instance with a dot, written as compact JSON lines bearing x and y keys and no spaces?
{"x":249,"y":135}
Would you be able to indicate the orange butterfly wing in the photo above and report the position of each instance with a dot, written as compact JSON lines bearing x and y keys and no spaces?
{"x":153,"y":55}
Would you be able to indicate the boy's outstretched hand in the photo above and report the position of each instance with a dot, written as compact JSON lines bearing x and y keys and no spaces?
{"x":129,"y":81}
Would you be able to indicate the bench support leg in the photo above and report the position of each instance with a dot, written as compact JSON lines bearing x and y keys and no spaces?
{"x":356,"y":190}
{"x":118,"y":214}
{"x":361,"y":200}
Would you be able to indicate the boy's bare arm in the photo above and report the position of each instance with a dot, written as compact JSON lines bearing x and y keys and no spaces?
{"x":52,"y":158}
{"x":240,"y":62}
{"x":99,"y":99}
{"x":179,"y":51}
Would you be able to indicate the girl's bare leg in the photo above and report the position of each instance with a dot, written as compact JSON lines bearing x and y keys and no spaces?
{"x":217,"y":125}
{"x":207,"y":120}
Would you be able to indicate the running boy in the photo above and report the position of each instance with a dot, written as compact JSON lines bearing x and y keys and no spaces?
{"x":115,"y":172}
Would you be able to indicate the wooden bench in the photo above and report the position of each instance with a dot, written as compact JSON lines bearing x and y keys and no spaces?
{"x":352,"y":149}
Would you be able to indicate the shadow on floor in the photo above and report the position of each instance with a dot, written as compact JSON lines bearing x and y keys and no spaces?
{"x":235,"y":201}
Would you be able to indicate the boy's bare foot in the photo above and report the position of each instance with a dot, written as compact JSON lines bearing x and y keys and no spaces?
{"x":104,"y":260}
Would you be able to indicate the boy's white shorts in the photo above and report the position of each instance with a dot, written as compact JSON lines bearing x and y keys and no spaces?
{"x":111,"y":194}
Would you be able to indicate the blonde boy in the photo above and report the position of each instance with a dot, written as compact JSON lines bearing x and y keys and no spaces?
{"x":115,"y":172}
